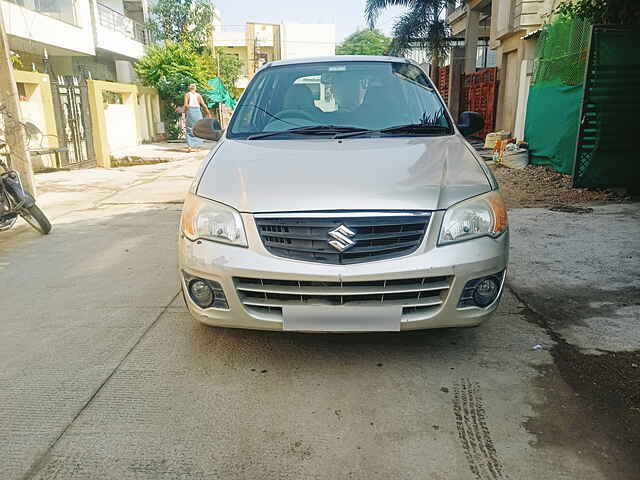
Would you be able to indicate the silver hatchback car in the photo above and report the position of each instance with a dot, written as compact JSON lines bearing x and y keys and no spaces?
{"x":343,"y":198}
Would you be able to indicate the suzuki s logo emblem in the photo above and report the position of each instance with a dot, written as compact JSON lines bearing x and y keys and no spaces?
{"x":341,"y":238}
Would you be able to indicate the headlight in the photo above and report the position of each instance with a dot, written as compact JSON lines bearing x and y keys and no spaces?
{"x":208,"y":220}
{"x":484,"y":215}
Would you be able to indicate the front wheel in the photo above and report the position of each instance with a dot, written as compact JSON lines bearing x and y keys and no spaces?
{"x":37,"y":219}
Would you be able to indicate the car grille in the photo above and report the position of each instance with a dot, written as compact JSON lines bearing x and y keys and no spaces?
{"x":417,"y":296}
{"x":376,"y":237}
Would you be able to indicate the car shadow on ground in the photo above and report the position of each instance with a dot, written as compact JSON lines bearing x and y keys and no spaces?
{"x":441,"y":341}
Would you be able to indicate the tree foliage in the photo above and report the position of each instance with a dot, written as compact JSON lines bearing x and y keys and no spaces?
{"x":364,"y":42}
{"x":182,"y":21}
{"x":616,"y":12}
{"x":423,"y":25}
{"x":172,"y":60}
{"x":170,"y":68}
{"x":228,"y":68}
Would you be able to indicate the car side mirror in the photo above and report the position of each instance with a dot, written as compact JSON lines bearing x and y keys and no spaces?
{"x":470,"y":122}
{"x":208,"y":128}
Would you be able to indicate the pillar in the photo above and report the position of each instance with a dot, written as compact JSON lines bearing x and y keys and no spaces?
{"x":471,"y":41}
{"x":456,"y":70}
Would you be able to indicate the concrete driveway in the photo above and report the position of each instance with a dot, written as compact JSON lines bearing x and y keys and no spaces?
{"x":103,"y":374}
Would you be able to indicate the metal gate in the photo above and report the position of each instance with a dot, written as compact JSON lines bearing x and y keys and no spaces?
{"x":70,"y":103}
{"x":606,"y":148}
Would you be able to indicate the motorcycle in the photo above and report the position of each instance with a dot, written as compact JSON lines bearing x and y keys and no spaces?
{"x":16,"y":201}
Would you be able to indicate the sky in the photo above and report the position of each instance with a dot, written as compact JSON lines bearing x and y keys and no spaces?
{"x":347,"y":15}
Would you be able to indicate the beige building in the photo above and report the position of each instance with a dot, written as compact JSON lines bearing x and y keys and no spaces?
{"x":509,"y":28}
{"x":258,"y":43}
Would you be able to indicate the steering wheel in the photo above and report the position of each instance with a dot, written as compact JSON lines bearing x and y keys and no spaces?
{"x":291,"y":113}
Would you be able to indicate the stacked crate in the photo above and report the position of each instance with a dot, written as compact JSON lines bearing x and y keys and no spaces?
{"x":442,"y":83}
{"x":480,"y":94}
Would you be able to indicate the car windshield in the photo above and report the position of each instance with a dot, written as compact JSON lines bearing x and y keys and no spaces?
{"x":335,"y":97}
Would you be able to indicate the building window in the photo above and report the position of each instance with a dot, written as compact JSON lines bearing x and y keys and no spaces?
{"x":485,"y":57}
{"x":64,"y":10}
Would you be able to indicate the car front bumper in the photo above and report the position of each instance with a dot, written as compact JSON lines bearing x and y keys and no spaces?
{"x":458,"y":262}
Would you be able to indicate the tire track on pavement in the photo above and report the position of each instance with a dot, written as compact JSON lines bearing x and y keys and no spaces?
{"x":473,"y":432}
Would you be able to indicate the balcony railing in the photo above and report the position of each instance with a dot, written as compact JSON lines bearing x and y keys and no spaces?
{"x":118,"y":22}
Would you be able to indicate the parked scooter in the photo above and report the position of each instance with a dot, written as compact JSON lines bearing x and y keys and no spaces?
{"x":16,"y":201}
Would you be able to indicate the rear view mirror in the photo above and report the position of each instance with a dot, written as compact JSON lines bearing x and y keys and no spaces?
{"x":208,"y":128}
{"x":470,"y":122}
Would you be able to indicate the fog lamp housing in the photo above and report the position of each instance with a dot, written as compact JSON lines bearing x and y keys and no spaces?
{"x":481,"y":292}
{"x":201,"y":293}
{"x":205,"y":293}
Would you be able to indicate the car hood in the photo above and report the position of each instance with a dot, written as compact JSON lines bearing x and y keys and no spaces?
{"x":401,"y":173}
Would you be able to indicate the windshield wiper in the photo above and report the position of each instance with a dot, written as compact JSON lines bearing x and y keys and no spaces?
{"x":311,"y":130}
{"x":408,"y":128}
{"x":416,"y":128}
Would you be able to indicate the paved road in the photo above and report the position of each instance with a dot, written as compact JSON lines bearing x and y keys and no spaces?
{"x":103,"y":374}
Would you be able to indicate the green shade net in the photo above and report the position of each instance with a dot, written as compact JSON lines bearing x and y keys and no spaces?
{"x":555,"y":95}
{"x":217,"y":93}
{"x":551,"y":128}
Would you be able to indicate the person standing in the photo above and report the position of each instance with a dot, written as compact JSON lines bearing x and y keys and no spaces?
{"x":192,"y":112}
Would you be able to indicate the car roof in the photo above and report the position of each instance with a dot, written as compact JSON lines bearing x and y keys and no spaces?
{"x":338,"y":58}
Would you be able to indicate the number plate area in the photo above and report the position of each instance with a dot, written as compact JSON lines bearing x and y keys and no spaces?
{"x":341,"y":318}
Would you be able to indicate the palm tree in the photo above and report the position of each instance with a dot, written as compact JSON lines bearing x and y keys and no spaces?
{"x":424,"y":26}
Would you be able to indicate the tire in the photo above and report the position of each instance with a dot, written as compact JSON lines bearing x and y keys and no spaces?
{"x":37,"y":219}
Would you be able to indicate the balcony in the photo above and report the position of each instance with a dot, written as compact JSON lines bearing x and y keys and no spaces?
{"x":62,"y":27}
{"x":117,"y":22}
{"x":120,"y":34}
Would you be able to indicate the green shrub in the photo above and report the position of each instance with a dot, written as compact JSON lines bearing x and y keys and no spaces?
{"x":16,"y":61}
{"x":171,"y":68}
